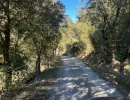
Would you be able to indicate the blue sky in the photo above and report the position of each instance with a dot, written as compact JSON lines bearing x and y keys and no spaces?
{"x":71,"y":8}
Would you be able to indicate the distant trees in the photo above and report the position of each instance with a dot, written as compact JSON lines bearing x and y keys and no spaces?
{"x":106,"y":23}
{"x":36,"y":22}
{"x":66,"y":21}
{"x":75,"y":36}
{"x":77,"y":48}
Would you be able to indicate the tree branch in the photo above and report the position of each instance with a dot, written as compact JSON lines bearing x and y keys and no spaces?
{"x":117,"y":14}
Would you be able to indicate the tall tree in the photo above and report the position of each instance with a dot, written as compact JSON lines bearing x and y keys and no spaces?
{"x":45,"y":18}
{"x":10,"y":15}
{"x":109,"y":17}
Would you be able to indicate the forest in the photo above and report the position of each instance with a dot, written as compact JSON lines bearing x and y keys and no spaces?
{"x":35,"y":33}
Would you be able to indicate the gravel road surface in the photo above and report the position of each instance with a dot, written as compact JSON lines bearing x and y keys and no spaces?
{"x":72,"y":81}
{"x":78,"y":82}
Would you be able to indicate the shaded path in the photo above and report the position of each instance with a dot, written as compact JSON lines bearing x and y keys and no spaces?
{"x":79,"y":82}
{"x":72,"y":81}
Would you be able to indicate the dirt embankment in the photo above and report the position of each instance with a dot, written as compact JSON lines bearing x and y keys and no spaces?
{"x":110,"y":72}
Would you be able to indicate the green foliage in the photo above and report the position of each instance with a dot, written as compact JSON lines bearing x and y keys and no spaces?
{"x":111,"y":36}
{"x":56,"y":62}
{"x":124,"y":82}
{"x":18,"y":60}
{"x":28,"y":30}
{"x":66,"y":21}
{"x":76,"y":32}
{"x":77,"y":48}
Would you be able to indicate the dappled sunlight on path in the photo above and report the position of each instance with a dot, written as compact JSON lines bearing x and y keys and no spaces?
{"x":79,"y":82}
{"x":72,"y":81}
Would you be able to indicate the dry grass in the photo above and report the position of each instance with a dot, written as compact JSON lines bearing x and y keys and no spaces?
{"x":43,"y":67}
{"x":39,"y":88}
{"x":127,"y":67}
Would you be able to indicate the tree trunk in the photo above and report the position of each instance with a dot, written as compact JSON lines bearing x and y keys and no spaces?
{"x":38,"y":64}
{"x":54,"y":52}
{"x":122,"y":68}
{"x":49,"y":63}
{"x":7,"y":58}
{"x":6,"y":43}
{"x":6,"y":47}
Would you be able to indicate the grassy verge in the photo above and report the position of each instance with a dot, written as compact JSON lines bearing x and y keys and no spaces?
{"x":39,"y":88}
{"x":56,"y":62}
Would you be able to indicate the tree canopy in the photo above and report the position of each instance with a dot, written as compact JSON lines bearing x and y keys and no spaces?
{"x":28,"y":29}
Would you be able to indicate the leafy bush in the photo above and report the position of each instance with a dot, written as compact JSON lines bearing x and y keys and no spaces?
{"x":18,"y":60}
{"x":56,"y":61}
{"x":102,"y":47}
{"x":77,"y":48}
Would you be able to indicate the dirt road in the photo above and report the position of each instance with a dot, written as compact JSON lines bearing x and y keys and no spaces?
{"x":72,"y":81}
{"x":79,"y":82}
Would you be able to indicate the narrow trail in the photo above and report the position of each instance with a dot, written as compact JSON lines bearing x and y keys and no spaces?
{"x":72,"y":81}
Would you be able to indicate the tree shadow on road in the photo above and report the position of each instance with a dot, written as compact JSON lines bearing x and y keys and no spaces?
{"x":68,"y":82}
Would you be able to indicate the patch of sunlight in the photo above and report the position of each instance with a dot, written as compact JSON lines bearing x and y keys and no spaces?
{"x":23,"y":94}
{"x":104,"y":93}
{"x":41,"y":88}
{"x":83,"y":93}
{"x":82,"y":83}
{"x":127,"y":67}
{"x":62,"y":92}
{"x":83,"y":88}
{"x":100,"y":94}
{"x":70,"y":85}
{"x":70,"y":78}
{"x":111,"y":91}
{"x":37,"y":82}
